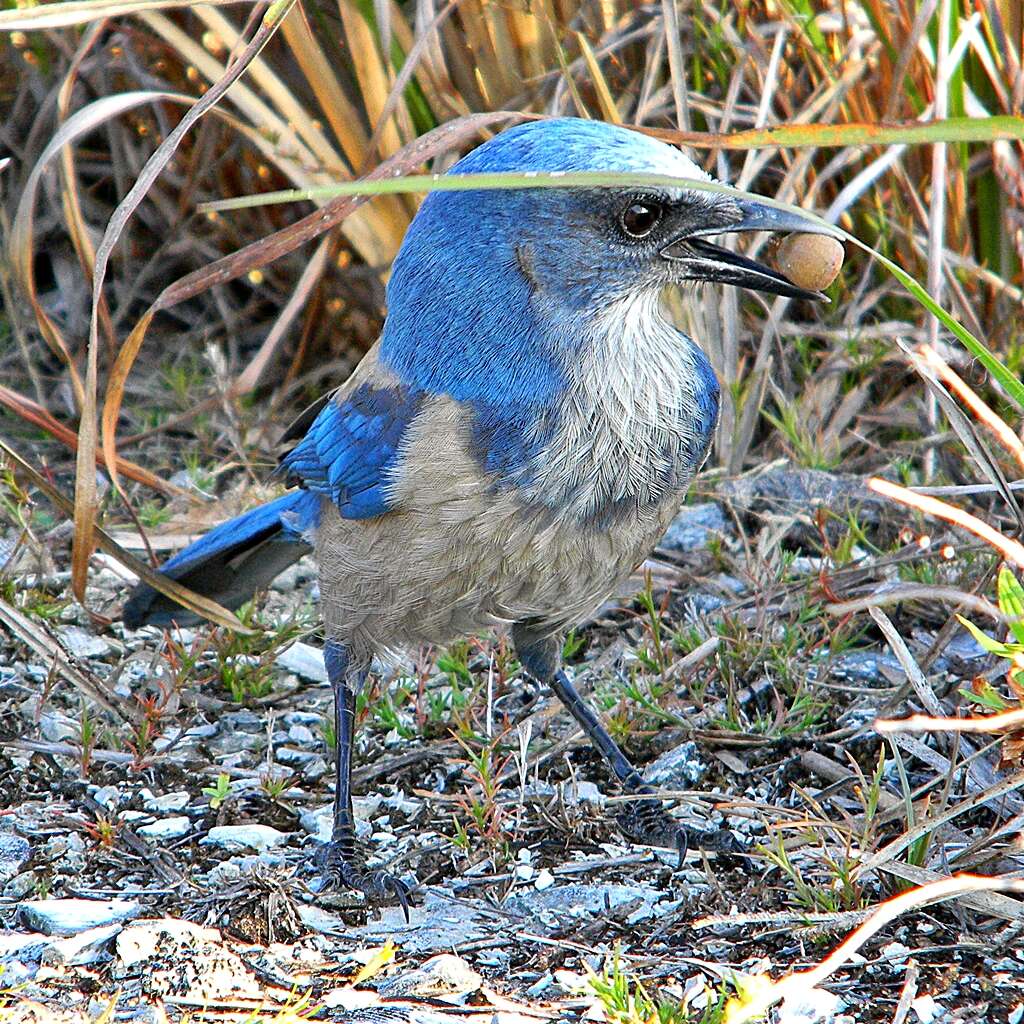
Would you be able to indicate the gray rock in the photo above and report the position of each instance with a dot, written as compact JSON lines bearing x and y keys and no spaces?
{"x":69,"y":917}
{"x":865,"y":667}
{"x":88,"y":947}
{"x":107,"y":796}
{"x":251,"y":836}
{"x":316,"y":769}
{"x":678,"y":768}
{"x":82,"y":644}
{"x":57,"y":728}
{"x":301,"y":734}
{"x":234,"y":868}
{"x":694,"y":526}
{"x":319,"y":820}
{"x":556,"y":907}
{"x":434,"y":927}
{"x":303,"y":660}
{"x":176,"y":801}
{"x":294,"y":758}
{"x":14,"y":854}
{"x":309,"y":718}
{"x":166,"y":828}
{"x":813,"y":1006}
{"x":444,"y":975}
{"x":20,"y":886}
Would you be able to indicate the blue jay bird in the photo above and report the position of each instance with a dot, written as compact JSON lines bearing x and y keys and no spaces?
{"x":517,"y":440}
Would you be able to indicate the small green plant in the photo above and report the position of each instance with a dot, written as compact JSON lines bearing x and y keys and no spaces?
{"x":626,"y":1001}
{"x":219,"y":791}
{"x":831,"y":888}
{"x":273,"y":785}
{"x":86,"y":740}
{"x":573,"y":645}
{"x":330,"y":737}
{"x":484,"y":813}
{"x":153,"y":513}
{"x":245,"y":663}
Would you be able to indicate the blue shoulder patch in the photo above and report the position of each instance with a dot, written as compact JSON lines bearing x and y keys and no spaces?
{"x":350,"y":447}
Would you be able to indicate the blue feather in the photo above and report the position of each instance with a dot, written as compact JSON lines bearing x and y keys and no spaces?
{"x":351,"y":447}
{"x":293,"y":514}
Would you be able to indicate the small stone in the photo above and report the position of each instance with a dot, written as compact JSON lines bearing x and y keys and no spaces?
{"x":176,"y":801}
{"x":57,"y":728}
{"x":302,"y":735}
{"x":319,"y":821}
{"x":71,"y":916}
{"x":166,"y":828}
{"x":244,"y":837}
{"x":86,"y":947}
{"x":694,"y":526}
{"x":582,"y":792}
{"x":234,"y":868}
{"x":294,"y":758}
{"x":107,"y":796}
{"x":811,"y":1006}
{"x":14,"y":854}
{"x":20,"y":886}
{"x":524,"y":872}
{"x":82,"y":644}
{"x":303,"y":660}
{"x":544,"y":880}
{"x":926,"y":1009}
{"x":441,"y":976}
{"x":810,"y":261}
{"x":678,"y":768}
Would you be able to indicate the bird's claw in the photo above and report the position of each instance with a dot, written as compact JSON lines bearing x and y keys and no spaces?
{"x":647,"y":822}
{"x":339,"y":867}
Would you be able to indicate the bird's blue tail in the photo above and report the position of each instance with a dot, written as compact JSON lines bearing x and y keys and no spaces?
{"x":232,"y":561}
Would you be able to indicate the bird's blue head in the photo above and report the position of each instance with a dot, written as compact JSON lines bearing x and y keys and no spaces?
{"x":493,"y":288}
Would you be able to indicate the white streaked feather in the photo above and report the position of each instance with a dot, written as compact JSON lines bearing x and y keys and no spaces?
{"x":628,"y":416}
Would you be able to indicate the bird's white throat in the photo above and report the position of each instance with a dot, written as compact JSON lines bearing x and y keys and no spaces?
{"x":626,"y":428}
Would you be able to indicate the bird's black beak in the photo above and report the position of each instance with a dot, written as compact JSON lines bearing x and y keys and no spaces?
{"x":699,"y":260}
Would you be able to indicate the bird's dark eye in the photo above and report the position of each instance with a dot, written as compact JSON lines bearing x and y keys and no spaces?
{"x":639,"y":218}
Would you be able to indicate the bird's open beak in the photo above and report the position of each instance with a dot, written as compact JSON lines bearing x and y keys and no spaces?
{"x":700,"y":260}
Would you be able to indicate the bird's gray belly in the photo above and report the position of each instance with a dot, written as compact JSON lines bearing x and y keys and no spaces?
{"x":432,"y":576}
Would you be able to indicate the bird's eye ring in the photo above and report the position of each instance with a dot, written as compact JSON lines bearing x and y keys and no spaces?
{"x":640,"y":217}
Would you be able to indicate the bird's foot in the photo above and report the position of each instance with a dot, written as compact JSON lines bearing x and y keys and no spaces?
{"x":340,"y":867}
{"x":646,"y":821}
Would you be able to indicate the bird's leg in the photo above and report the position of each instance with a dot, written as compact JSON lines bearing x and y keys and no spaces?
{"x":644,"y":821}
{"x":339,"y":860}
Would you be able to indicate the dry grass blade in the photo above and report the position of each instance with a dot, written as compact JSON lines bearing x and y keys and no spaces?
{"x":78,"y":12}
{"x":33,"y":412}
{"x":50,"y":652}
{"x":917,"y":592}
{"x":402,"y":80}
{"x":766,"y":993}
{"x":200,"y":605}
{"x":605,"y":100}
{"x":1011,"y":550}
{"x":22,"y":229}
{"x":250,"y":376}
{"x":85,"y":479}
{"x":1002,"y":722}
{"x":854,"y":133}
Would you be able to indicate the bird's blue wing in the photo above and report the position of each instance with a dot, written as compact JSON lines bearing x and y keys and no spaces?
{"x":351,"y":447}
